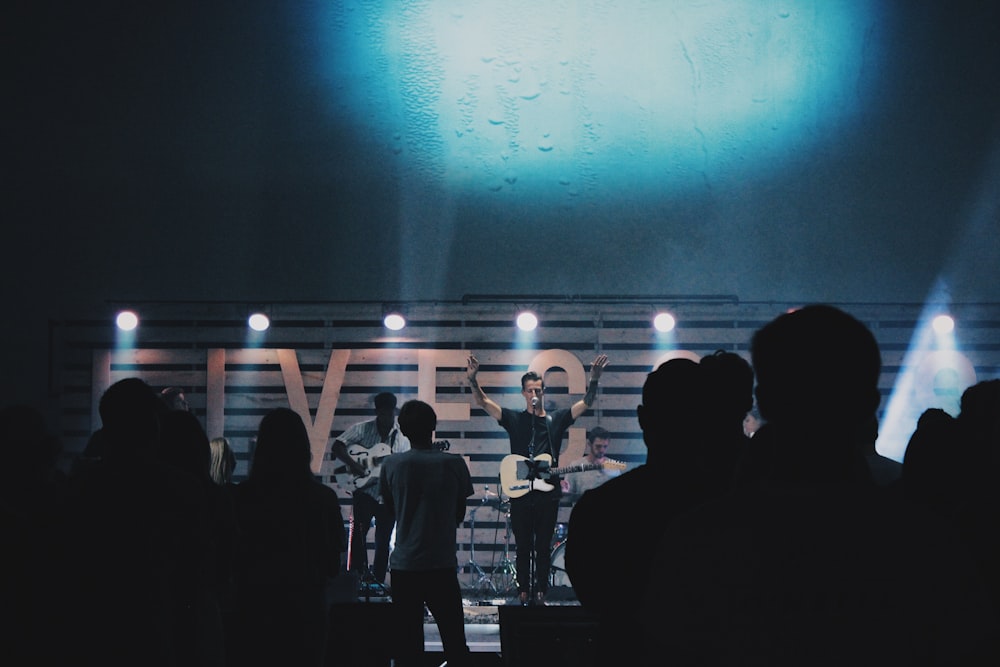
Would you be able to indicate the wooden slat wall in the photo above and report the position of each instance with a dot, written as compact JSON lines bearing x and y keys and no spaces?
{"x":328,"y":360}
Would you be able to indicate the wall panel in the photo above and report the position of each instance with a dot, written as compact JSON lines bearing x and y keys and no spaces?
{"x":327,"y":360}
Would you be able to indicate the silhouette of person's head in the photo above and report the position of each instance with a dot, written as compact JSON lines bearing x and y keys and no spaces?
{"x":283,"y":452}
{"x":183,"y":443}
{"x":979,"y":421}
{"x":729,"y":381}
{"x":417,"y":421}
{"x":671,"y":409}
{"x":980,"y":412}
{"x":130,"y":423}
{"x":814,"y":362}
{"x":933,"y":462}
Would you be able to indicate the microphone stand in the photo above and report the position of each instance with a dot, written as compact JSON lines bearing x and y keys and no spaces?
{"x":532,"y":475}
{"x":483,"y":583}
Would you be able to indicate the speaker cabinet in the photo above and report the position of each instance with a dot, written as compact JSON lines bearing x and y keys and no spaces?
{"x":546,"y":636}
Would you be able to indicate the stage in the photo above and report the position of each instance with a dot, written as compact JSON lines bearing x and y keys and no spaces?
{"x":499,"y":632}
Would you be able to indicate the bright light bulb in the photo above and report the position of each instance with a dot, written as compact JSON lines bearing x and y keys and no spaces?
{"x":127,"y":320}
{"x":394,"y":321}
{"x":259,"y":322}
{"x":527,"y":321}
{"x":664,"y":322}
{"x":943,"y":324}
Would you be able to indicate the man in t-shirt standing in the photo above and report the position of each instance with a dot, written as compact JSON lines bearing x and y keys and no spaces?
{"x":533,"y":431}
{"x":426,"y":488}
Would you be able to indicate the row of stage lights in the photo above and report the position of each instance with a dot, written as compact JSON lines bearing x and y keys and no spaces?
{"x":664,"y":322}
{"x":128,"y":320}
{"x":528,"y":321}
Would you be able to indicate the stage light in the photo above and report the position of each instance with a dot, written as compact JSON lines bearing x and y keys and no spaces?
{"x":664,"y":322}
{"x":259,"y":322}
{"x":943,"y":324}
{"x":394,"y":321}
{"x":933,"y":374}
{"x":127,"y":320}
{"x":527,"y":321}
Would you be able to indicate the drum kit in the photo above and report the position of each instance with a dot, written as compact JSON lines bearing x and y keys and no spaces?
{"x":501,"y":579}
{"x":557,"y":568}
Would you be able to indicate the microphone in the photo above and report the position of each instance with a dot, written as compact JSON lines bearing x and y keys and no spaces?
{"x":534,"y":402}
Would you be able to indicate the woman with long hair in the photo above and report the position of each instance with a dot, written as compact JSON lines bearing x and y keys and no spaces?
{"x":223,"y":461}
{"x":291,"y":537}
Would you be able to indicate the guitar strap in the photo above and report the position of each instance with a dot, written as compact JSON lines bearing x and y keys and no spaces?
{"x":548,"y":436}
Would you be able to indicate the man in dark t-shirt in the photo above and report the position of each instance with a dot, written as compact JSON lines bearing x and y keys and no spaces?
{"x":535,"y":433}
{"x":426,"y":489}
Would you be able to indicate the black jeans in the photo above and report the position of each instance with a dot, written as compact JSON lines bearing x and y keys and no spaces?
{"x":365,"y":508}
{"x":533,"y":520}
{"x":439,"y":589}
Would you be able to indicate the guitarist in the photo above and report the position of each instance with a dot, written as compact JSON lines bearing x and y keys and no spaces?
{"x":534,"y":431}
{"x":367,"y":499}
{"x":595,"y":453}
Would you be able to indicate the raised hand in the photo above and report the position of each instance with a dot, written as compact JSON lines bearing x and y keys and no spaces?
{"x":596,"y":368}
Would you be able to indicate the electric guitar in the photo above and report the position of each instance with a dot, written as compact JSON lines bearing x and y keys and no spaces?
{"x":536,"y":471}
{"x":370,"y":458}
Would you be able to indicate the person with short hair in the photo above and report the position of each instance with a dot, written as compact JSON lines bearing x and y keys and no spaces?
{"x":534,"y":431}
{"x":617,"y":524}
{"x":373,"y":440}
{"x":595,"y":453}
{"x":425,"y":488}
{"x":814,"y":563}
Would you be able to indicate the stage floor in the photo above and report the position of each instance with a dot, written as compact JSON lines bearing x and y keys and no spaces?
{"x":489,"y":639}
{"x":481,"y":637}
{"x":482,"y":619}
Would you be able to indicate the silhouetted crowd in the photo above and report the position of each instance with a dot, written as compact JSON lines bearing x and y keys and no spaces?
{"x":800,"y":545}
{"x":139,"y":557}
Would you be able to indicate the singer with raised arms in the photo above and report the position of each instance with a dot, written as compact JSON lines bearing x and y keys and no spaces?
{"x":533,"y":433}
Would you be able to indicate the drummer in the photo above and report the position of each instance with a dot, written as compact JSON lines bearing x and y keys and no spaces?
{"x":595,"y":453}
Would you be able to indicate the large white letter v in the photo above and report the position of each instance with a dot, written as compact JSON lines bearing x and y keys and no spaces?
{"x":319,"y":431}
